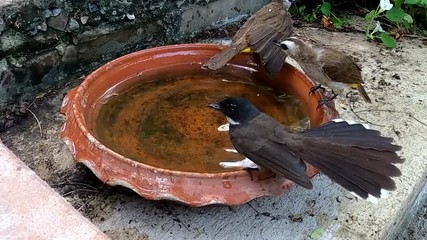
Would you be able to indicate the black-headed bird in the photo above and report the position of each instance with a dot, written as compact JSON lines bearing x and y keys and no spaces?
{"x":359,"y":159}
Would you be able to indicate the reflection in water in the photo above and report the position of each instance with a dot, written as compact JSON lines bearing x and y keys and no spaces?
{"x":167,"y":123}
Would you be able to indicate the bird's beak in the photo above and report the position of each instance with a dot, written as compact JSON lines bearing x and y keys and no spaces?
{"x":282,"y":46}
{"x":214,"y":106}
{"x":277,"y":43}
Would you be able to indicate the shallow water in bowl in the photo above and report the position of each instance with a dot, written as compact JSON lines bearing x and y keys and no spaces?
{"x":167,"y":124}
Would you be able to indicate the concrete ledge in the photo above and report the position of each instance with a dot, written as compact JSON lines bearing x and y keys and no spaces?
{"x":30,"y":209}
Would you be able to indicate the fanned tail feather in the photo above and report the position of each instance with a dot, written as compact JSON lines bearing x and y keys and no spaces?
{"x":359,"y":159}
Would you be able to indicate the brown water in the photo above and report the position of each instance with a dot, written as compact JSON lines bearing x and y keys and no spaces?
{"x":167,"y":123}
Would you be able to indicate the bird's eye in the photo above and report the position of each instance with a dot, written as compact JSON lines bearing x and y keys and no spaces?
{"x":284,"y":46}
{"x":231,"y":110}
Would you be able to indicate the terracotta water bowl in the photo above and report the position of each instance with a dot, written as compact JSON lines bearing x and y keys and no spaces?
{"x":230,"y":187}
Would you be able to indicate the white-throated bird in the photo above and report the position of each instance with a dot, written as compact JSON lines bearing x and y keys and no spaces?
{"x":325,"y":66}
{"x":271,"y":22}
{"x":357,"y":158}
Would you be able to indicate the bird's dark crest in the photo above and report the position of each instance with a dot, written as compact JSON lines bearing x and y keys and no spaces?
{"x":238,"y":109}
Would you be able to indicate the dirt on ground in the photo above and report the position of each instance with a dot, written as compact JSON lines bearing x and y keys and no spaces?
{"x":414,"y":225}
{"x":395,"y":80}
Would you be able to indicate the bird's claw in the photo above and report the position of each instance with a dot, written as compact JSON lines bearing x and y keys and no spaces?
{"x":334,"y":95}
{"x":324,"y":101}
{"x":315,"y":88}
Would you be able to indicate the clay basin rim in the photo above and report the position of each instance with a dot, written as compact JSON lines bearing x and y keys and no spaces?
{"x":119,"y":73}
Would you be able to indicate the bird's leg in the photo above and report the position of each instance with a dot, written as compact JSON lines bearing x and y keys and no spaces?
{"x":315,"y":88}
{"x":324,"y":101}
{"x":334,"y":95}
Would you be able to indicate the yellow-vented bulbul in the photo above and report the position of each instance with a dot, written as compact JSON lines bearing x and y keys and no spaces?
{"x":326,"y":66}
{"x":271,"y":22}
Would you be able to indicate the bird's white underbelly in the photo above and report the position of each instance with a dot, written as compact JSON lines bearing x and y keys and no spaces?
{"x":337,"y":85}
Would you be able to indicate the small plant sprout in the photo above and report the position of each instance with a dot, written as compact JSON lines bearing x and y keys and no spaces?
{"x":388,"y":41}
{"x":337,"y":22}
{"x":403,"y":14}
{"x":403,"y":17}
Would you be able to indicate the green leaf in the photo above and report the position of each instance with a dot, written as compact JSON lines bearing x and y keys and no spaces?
{"x":395,"y":14}
{"x":371,"y":15}
{"x":412,"y":1}
{"x":309,"y":18}
{"x":326,"y":9}
{"x":302,"y":9}
{"x":338,"y":25}
{"x":398,"y":3}
{"x":407,"y":25}
{"x":408,"y":18}
{"x":317,"y":233}
{"x":425,"y":33}
{"x":387,"y":40}
{"x":293,"y":10}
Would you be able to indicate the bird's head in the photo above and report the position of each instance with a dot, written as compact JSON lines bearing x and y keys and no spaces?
{"x":238,"y":110}
{"x":292,"y":46}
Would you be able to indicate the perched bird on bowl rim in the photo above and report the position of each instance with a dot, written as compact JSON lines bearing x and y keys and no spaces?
{"x":357,"y":158}
{"x":271,"y":22}
{"x":326,"y":66}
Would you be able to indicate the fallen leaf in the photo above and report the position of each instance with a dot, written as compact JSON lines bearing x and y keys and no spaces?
{"x":317,"y":233}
